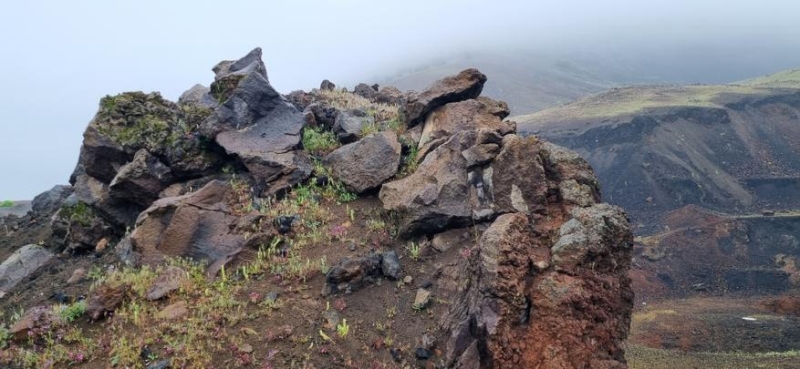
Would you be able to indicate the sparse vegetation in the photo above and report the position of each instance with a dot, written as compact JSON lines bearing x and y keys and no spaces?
{"x":410,"y":162}
{"x":414,"y":251}
{"x":79,"y":213}
{"x":73,"y":311}
{"x":345,"y":100}
{"x":343,"y":329}
{"x":6,"y":204}
{"x":318,"y":141}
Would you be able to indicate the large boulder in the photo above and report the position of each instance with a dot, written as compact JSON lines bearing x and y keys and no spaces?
{"x":22,"y":264}
{"x":256,"y":124}
{"x":437,"y":195}
{"x":467,"y":84}
{"x":162,"y":133}
{"x":196,"y":225}
{"x":534,"y":302}
{"x":367,"y":163}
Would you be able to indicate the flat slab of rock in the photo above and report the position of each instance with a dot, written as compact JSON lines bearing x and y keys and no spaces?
{"x":168,"y":281}
{"x":467,"y":84}
{"x":367,"y":163}
{"x":22,"y":264}
{"x":195,"y":225}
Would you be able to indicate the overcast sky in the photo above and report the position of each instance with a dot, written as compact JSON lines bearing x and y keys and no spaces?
{"x":60,"y":57}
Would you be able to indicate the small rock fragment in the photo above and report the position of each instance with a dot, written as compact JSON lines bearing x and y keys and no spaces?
{"x":77,"y":276}
{"x":422,"y":300}
{"x":390,"y":265}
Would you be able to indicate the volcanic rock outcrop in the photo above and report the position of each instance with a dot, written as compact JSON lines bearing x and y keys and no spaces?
{"x":529,"y":267}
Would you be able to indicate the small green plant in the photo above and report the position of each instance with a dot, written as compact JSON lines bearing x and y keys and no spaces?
{"x":376,"y":225}
{"x":340,"y":192}
{"x":391,"y":312}
{"x":73,"y":311}
{"x":317,"y":141}
{"x":342,"y":329}
{"x":414,"y":251}
{"x":410,"y":162}
{"x":5,"y":337}
{"x":6,"y":204}
{"x":369,"y":128}
{"x":351,"y":213}
{"x":79,"y":213}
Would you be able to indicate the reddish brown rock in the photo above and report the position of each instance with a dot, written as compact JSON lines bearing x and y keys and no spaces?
{"x":106,"y":299}
{"x":528,"y":311}
{"x":467,"y":84}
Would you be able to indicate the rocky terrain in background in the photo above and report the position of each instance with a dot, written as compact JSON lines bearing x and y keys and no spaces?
{"x":376,"y":228}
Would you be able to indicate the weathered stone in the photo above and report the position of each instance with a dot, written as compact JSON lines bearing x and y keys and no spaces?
{"x":101,"y":245}
{"x":451,"y":118}
{"x":352,"y":274}
{"x":583,"y":238}
{"x":390,"y":265}
{"x":51,"y":200}
{"x":436,"y":196}
{"x":248,"y":64}
{"x":198,"y":95}
{"x":480,"y":154}
{"x":367,"y":163}
{"x":575,"y":193}
{"x":141,"y":180}
{"x":517,"y":177}
{"x":77,"y":276}
{"x":366,"y":91}
{"x":300,"y":99}
{"x":255,"y":123}
{"x":168,"y":281}
{"x":106,"y":299}
{"x":584,"y":292}
{"x":497,"y":108}
{"x":390,"y":95}
{"x":195,"y":225}
{"x":446,"y":240}
{"x":327,"y":85}
{"x":22,"y":264}
{"x":96,"y":194}
{"x":422,"y":299}
{"x":348,"y":124}
{"x":324,"y":115}
{"x":468,"y":84}
{"x":174,"y":311}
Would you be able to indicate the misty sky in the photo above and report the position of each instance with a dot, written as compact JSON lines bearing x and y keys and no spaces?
{"x":60,"y":57}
